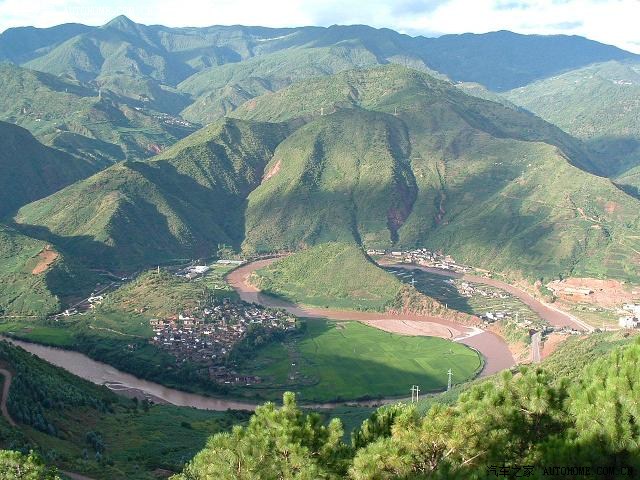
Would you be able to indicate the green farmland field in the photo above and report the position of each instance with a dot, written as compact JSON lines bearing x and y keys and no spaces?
{"x":349,"y":360}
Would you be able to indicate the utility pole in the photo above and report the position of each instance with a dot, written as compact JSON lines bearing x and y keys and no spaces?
{"x":413,"y":281}
{"x":158,"y":269}
{"x":449,"y":382}
{"x":321,"y":111}
{"x":395,"y":112}
{"x":415,"y":393}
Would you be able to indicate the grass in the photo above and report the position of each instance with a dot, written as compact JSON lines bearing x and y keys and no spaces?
{"x":59,"y":336}
{"x":153,"y":295}
{"x":24,"y":293}
{"x":332,"y":275}
{"x":597,"y":103}
{"x":349,"y":360}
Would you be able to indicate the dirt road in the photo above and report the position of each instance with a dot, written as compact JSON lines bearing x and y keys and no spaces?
{"x":493,"y":348}
{"x":535,"y":347}
{"x":8,"y":378}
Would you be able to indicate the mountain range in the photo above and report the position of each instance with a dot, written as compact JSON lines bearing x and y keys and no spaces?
{"x":346,"y":133}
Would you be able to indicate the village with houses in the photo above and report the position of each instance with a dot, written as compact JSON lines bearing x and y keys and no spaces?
{"x":422,"y":257}
{"x":207,"y":336}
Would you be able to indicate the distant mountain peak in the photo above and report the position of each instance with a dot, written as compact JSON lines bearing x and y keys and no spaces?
{"x":121,"y":22}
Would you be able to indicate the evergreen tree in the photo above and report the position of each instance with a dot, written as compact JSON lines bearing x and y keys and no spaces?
{"x":280,"y":443}
{"x":17,"y":466}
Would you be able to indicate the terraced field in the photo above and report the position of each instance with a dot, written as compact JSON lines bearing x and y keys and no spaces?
{"x":485,"y":298}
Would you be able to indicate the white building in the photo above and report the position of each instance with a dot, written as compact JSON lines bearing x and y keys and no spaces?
{"x":633,"y":308}
{"x":629,"y":322}
{"x":200,"y":269}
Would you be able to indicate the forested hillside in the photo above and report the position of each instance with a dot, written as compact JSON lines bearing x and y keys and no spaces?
{"x":93,"y":122}
{"x":600,"y":104}
{"x":421,"y":163}
{"x":206,"y":72}
{"x":382,"y":157}
{"x":86,"y":428}
{"x":181,"y":204}
{"x":529,"y":420}
{"x":31,"y":170}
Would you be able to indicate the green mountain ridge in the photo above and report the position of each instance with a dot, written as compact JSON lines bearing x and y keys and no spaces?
{"x":490,"y":185}
{"x":399,"y":159}
{"x":217,"y":68}
{"x":331,"y":275}
{"x":31,"y":170}
{"x":99,"y":126}
{"x":599,"y":104}
{"x":178,"y":205}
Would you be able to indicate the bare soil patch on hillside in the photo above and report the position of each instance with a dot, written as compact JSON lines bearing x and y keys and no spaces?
{"x":46,"y":258}
{"x":551,"y":343}
{"x":604,"y":293}
{"x":273,"y":170}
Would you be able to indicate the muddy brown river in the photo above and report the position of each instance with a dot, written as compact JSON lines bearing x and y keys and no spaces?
{"x":493,"y":348}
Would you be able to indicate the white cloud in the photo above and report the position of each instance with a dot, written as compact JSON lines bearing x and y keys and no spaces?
{"x":608,"y":21}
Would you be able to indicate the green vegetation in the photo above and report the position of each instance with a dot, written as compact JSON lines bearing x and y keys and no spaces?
{"x":597,"y":103}
{"x":164,"y":294}
{"x":179,"y":205}
{"x":98,"y":126}
{"x":348,"y":360}
{"x":35,"y":278}
{"x":31,"y":170}
{"x":449,"y":292}
{"x":487,"y":184}
{"x":18,"y":466}
{"x":332,"y":275}
{"x":569,"y":361}
{"x":526,"y":417}
{"x":86,"y":428}
{"x":404,"y":160}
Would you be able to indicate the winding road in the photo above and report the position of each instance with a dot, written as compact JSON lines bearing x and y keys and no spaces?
{"x":8,"y":378}
{"x":493,"y":348}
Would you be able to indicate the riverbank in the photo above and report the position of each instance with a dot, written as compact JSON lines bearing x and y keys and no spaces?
{"x":549,"y":313}
{"x":494,"y":349}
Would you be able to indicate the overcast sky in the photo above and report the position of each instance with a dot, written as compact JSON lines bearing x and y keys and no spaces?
{"x":609,"y":21}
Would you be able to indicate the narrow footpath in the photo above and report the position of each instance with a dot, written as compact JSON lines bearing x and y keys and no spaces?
{"x":8,"y":378}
